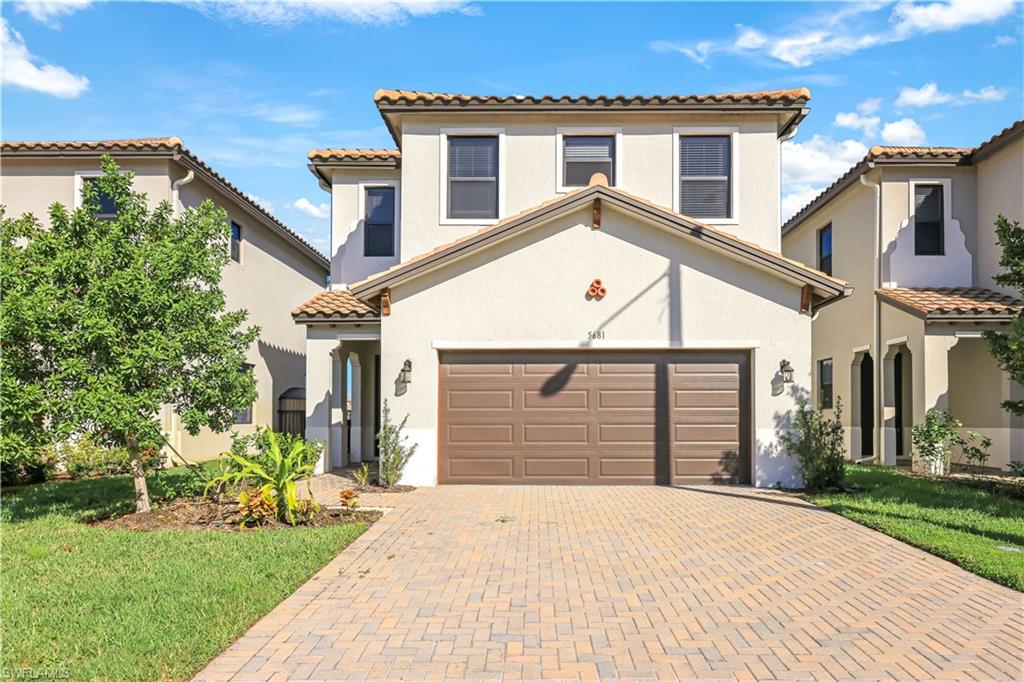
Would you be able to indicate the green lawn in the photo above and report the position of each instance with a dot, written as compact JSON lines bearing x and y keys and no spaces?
{"x":116,"y":605}
{"x":958,"y":522}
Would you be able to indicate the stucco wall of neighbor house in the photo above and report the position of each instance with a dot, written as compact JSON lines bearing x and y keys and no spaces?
{"x":843,"y":328}
{"x":664,"y":291}
{"x":270,"y":280}
{"x":33,"y":185}
{"x":529,"y":168}
{"x":1000,"y":181}
{"x":900,"y":267}
{"x":348,"y":264}
{"x":976,"y":388}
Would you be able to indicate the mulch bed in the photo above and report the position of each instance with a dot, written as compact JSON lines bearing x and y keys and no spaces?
{"x":202,"y":514}
{"x":381,"y":489}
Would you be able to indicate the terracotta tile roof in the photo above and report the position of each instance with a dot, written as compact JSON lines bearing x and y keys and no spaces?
{"x":334,"y":304}
{"x":356,"y":155}
{"x":999,"y":140}
{"x":565,"y":198}
{"x":790,"y":96}
{"x":955,"y":302}
{"x":917,"y":153}
{"x":173,"y":147}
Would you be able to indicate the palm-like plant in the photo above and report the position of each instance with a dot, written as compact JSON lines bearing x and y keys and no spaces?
{"x":277,"y":474}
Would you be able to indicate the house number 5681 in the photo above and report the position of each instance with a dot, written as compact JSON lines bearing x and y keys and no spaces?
{"x":594,"y":335}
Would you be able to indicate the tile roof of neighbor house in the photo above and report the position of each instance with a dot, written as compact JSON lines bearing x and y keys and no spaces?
{"x":787,"y":96}
{"x":957,"y":302}
{"x":353,"y":155}
{"x":885,"y":154}
{"x":334,"y":304}
{"x":599,"y":189}
{"x":174,"y":148}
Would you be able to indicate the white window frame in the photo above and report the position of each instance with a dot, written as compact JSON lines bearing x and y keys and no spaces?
{"x":947,"y":210}
{"x":734,"y":168}
{"x":443,"y":218}
{"x":80,"y":178}
{"x":562,"y":133}
{"x":370,"y":184}
{"x":241,"y":239}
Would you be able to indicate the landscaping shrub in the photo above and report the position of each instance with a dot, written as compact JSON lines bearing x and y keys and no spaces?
{"x":394,"y":453}
{"x":938,"y":434}
{"x":255,"y":446}
{"x":362,"y":474}
{"x":277,"y":474}
{"x":27,"y":465}
{"x":86,"y":457}
{"x":257,"y":506}
{"x":817,"y":443}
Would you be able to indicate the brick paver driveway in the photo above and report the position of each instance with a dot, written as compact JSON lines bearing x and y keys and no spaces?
{"x":642,"y":582}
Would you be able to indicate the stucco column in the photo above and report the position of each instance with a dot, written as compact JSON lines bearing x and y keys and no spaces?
{"x":320,"y":354}
{"x":368,"y":353}
{"x":337,"y":419}
{"x":355,"y":416}
{"x":934,"y":374}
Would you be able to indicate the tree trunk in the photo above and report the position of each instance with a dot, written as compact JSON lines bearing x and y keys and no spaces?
{"x":139,"y":475}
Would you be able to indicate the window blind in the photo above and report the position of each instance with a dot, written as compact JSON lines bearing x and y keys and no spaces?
{"x":379,"y":225}
{"x":704,"y":176}
{"x":473,"y":177}
{"x":928,"y":220}
{"x":585,"y":155}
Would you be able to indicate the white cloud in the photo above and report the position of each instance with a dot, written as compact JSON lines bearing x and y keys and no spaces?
{"x":1003,"y":41}
{"x":930,"y":95}
{"x":284,"y":13}
{"x":910,"y":18}
{"x":870,"y":106}
{"x":23,"y":69}
{"x":265,"y":203}
{"x":989,"y":93}
{"x":905,"y":131}
{"x":866,"y":124}
{"x":291,"y":114}
{"x":809,"y":167}
{"x":304,"y":205}
{"x":50,"y":13}
{"x":925,"y":96}
{"x":842,"y":31}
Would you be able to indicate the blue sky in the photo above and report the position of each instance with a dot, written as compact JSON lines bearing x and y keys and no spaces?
{"x":251,"y":88}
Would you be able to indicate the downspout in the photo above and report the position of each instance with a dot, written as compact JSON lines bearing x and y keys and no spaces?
{"x":175,"y":187}
{"x":876,"y":321}
{"x":173,"y":419}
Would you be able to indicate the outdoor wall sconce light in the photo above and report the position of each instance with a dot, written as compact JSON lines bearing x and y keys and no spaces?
{"x":786,"y":370}
{"x":405,"y":376}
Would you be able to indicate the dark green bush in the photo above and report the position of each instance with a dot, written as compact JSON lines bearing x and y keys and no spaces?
{"x":817,"y":443}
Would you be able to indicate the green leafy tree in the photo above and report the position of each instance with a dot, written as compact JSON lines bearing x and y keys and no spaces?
{"x":105,"y":320}
{"x":1008,"y":348}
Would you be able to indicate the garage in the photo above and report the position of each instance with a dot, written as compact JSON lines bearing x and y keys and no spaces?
{"x":594,"y":417}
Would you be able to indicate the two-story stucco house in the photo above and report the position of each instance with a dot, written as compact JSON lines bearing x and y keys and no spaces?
{"x":912,"y":230}
{"x":565,"y":290}
{"x":270,"y":267}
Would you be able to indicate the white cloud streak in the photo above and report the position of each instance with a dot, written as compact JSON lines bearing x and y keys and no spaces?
{"x":929,"y":95}
{"x":841,"y":32}
{"x":905,"y":131}
{"x":287,"y":13}
{"x":22,"y":69}
{"x":808,"y":167}
{"x":307,"y":207}
{"x":50,"y":13}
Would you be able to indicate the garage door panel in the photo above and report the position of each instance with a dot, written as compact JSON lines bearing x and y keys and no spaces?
{"x":592,"y":417}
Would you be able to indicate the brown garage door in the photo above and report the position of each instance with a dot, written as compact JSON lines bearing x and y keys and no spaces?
{"x":594,"y":417}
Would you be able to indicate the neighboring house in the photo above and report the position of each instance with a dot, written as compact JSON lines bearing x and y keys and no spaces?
{"x":270,"y":265}
{"x":565,"y":290}
{"x":912,"y":230}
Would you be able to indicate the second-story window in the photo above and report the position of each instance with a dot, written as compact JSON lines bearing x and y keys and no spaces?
{"x":379,"y":222}
{"x":236,"y":242}
{"x":584,"y":155}
{"x":825,"y":384}
{"x":928,"y":220}
{"x":825,"y":249}
{"x":107,"y":208}
{"x":704,"y":176}
{"x":473,"y":177}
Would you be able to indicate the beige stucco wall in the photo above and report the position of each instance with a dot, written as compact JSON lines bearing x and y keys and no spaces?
{"x":1000,"y":191}
{"x":976,"y":387}
{"x":530,"y":166}
{"x":664,"y":291}
{"x":32,"y":185}
{"x":272,"y":278}
{"x":842,"y":329}
{"x":348,"y":264}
